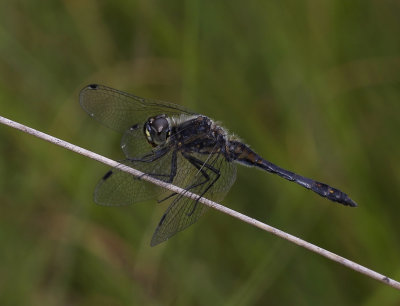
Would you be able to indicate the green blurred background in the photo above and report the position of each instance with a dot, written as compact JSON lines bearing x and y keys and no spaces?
{"x":313,"y":86}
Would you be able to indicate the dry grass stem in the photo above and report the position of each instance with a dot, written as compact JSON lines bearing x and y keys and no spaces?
{"x":339,"y":259}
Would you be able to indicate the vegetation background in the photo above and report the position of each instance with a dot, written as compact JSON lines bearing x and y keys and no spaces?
{"x":313,"y":86}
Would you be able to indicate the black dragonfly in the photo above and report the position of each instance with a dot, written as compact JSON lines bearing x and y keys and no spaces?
{"x":177,"y":146}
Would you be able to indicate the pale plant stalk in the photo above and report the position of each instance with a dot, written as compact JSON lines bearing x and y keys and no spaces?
{"x":332,"y":256}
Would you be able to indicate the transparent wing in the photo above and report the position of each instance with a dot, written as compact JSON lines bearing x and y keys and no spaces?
{"x":183,"y":211}
{"x":119,"y":110}
{"x":119,"y":188}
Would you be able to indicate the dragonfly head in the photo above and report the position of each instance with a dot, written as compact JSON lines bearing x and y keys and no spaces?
{"x":157,"y":130}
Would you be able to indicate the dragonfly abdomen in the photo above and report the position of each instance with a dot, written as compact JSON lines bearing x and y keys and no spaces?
{"x":244,"y":155}
{"x":241,"y":153}
{"x":322,"y":189}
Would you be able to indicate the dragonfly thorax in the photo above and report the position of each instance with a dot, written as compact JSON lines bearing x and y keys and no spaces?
{"x":157,"y":130}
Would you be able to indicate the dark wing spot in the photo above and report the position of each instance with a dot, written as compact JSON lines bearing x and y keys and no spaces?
{"x":107,"y":175}
{"x":134,"y":127}
{"x":93,"y":86}
{"x":162,"y":220}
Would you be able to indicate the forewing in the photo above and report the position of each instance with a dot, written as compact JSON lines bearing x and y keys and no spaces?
{"x":183,"y":211}
{"x":119,"y":110}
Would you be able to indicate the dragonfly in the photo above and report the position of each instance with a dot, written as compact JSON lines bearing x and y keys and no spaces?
{"x":177,"y":146}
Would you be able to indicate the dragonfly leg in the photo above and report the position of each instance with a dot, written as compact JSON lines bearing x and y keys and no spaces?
{"x":155,"y":156}
{"x":199,"y":164}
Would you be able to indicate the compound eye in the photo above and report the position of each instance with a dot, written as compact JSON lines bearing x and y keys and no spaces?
{"x":160,"y":125}
{"x":157,"y":130}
